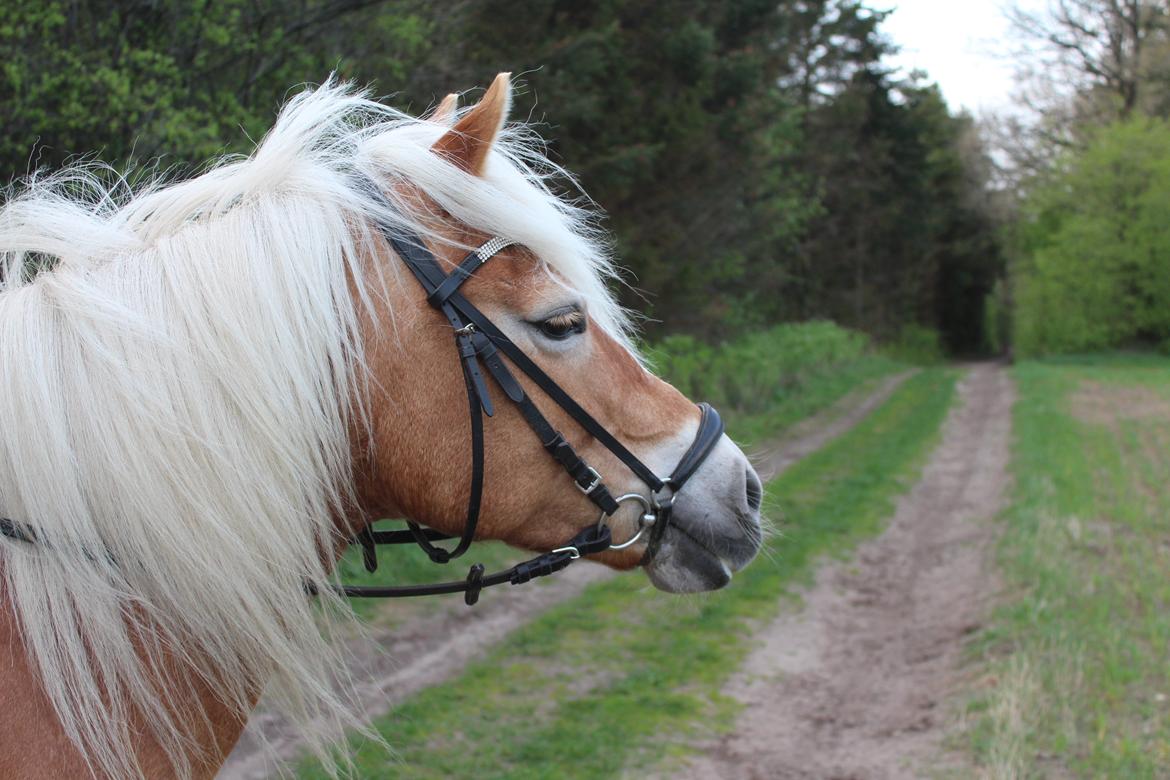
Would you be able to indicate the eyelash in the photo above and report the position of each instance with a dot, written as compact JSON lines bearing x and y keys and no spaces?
{"x":561,"y":326}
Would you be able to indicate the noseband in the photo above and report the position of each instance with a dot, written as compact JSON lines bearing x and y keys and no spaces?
{"x":480,"y":343}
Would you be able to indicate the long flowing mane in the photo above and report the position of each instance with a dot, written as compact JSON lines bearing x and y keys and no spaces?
{"x":176,"y":391}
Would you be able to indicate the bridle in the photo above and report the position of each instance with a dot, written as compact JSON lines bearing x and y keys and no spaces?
{"x":479,"y":342}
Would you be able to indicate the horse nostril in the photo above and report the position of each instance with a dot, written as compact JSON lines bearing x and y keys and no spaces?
{"x":754,"y":490}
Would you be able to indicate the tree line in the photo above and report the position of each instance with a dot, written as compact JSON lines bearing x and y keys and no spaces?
{"x":1088,"y":166}
{"x":759,"y":162}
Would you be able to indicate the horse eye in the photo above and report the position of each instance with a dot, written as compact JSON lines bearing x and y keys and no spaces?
{"x":561,"y":326}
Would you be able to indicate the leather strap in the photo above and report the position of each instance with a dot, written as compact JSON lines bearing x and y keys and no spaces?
{"x":426,"y":269}
{"x":590,"y":541}
{"x":486,"y":343}
{"x":709,"y":433}
{"x":462,"y":272}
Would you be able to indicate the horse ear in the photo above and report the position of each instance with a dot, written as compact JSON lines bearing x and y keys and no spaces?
{"x":467,"y":143}
{"x":444,"y":113}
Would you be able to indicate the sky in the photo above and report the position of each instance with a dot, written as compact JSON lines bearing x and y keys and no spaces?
{"x":961,"y":44}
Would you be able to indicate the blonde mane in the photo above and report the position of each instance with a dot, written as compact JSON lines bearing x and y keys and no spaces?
{"x":174,"y":389}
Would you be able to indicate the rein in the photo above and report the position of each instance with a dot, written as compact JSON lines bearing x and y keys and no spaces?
{"x":479,"y":342}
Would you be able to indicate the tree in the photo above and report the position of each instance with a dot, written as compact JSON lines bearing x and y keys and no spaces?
{"x":1094,"y":245}
{"x":756,"y":160}
{"x":904,"y":234}
{"x":1082,"y":64}
{"x":668,"y":115}
{"x":138,"y":79}
{"x":1104,"y":46}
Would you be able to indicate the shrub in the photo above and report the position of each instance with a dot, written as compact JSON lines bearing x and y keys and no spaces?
{"x":750,"y":374}
{"x":916,"y":345}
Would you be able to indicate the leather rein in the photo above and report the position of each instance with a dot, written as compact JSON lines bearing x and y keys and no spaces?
{"x":480,"y":343}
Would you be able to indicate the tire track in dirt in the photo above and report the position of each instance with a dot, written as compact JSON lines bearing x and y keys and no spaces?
{"x":429,"y":649}
{"x":855,"y":684}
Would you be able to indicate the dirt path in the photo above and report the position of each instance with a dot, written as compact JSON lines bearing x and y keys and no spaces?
{"x":808,"y":436}
{"x":855,"y":684}
{"x":433,"y":647}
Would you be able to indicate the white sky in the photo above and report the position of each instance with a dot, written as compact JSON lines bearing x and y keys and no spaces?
{"x":961,"y":44}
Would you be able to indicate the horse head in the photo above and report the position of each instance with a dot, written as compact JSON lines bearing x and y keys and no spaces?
{"x":418,"y":464}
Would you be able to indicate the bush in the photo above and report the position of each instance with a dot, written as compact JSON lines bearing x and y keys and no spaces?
{"x":916,"y":345}
{"x":751,"y":374}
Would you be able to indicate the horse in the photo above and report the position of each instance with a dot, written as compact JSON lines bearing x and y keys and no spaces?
{"x":209,"y":386}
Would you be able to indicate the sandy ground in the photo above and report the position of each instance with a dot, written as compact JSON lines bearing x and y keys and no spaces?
{"x":432,"y":647}
{"x":855,"y":684}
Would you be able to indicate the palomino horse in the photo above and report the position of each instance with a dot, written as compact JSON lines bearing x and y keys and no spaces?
{"x":211,"y":385}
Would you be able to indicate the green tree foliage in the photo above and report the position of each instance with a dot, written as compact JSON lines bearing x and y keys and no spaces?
{"x":665,"y":112}
{"x":144,"y":79}
{"x":904,"y":234}
{"x":757,"y":162}
{"x":1094,"y":245}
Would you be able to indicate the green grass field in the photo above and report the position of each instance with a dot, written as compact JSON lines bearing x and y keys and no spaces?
{"x":621,"y":677}
{"x":1078,"y":660}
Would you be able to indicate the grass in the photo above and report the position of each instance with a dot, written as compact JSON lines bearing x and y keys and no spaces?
{"x":621,"y":676}
{"x":1078,"y":676}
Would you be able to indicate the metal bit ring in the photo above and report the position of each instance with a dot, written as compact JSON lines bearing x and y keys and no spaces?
{"x":647,"y":520}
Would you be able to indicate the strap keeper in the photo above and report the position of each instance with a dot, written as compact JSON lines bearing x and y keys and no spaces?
{"x":441,"y":294}
{"x":483,"y":345}
{"x":553,"y":446}
{"x":465,"y":345}
{"x":474,"y":585}
{"x":573,"y":463}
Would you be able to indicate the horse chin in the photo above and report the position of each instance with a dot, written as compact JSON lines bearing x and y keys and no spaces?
{"x":684,"y":564}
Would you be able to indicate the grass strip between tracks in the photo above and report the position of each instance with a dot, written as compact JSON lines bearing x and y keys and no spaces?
{"x":619,"y":677}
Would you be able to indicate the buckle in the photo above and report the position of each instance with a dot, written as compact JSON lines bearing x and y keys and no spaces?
{"x":587,"y":489}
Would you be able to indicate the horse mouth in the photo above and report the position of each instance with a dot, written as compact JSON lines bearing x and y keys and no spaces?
{"x":690,"y":560}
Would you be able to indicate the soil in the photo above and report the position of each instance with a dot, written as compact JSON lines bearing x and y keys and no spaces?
{"x":856,"y":683}
{"x":1105,"y":404}
{"x":428,"y":648}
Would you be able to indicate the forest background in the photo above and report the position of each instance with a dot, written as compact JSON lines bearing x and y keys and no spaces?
{"x":759,"y":162}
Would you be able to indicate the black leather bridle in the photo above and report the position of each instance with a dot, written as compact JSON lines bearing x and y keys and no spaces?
{"x":479,"y":342}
